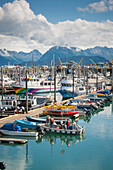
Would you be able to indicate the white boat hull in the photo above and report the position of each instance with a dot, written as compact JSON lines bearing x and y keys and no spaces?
{"x":19,"y":133}
{"x":38,"y":90}
{"x":62,"y":131}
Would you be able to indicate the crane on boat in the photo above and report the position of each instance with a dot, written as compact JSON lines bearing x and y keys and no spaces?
{"x":94,"y":63}
{"x":80,"y":61}
{"x":60,"y":63}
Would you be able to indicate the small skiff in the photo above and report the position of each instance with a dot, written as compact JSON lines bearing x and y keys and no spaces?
{"x":14,"y":130}
{"x":43,"y":120}
{"x":76,"y":130}
{"x":27,"y":124}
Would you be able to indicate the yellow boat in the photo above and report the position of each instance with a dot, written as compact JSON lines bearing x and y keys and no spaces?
{"x":60,"y":107}
{"x":98,"y":94}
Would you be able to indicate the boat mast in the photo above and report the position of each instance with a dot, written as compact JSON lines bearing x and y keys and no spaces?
{"x":50,"y":74}
{"x":26,"y":94}
{"x":87,"y":80}
{"x":2,"y":80}
{"x":54,"y":80}
{"x":73,"y":81}
{"x":19,"y":74}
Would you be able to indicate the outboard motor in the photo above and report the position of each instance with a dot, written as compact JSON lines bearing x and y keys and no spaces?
{"x":109,"y":100}
{"x":94,"y":106}
{"x":101,"y":105}
{"x":102,"y":101}
{"x":98,"y":103}
{"x":2,"y":165}
{"x":87,"y":111}
{"x":6,"y":108}
{"x":39,"y":130}
{"x":1,"y":108}
{"x":23,"y":109}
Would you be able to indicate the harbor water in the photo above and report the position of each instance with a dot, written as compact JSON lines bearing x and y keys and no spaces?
{"x":91,"y":151}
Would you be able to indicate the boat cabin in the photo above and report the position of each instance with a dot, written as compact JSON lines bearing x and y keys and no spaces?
{"x":32,"y":100}
{"x":35,"y":82}
{"x":9,"y":104}
{"x":30,"y":82}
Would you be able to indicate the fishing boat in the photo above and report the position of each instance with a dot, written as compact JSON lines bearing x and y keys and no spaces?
{"x":43,"y":119}
{"x":9,"y":102}
{"x":6,"y":81}
{"x":94,"y":98}
{"x":108,"y":85}
{"x":34,"y":101}
{"x":14,"y":130}
{"x":72,"y":130}
{"x":66,"y":89}
{"x":82,"y":104}
{"x":106,"y":91}
{"x":82,"y":112}
{"x":35,"y":85}
{"x":104,"y":97}
{"x":12,"y":102}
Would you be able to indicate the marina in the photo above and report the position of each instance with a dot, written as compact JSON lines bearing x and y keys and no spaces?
{"x":56,"y":85}
{"x":55,"y":123}
{"x":85,"y":152}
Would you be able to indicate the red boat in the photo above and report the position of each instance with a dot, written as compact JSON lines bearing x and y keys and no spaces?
{"x":55,"y":112}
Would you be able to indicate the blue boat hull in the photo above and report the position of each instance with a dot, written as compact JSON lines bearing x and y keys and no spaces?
{"x":69,"y":94}
{"x":27,"y":124}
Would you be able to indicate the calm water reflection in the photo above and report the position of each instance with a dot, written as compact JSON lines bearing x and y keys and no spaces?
{"x":92,"y":151}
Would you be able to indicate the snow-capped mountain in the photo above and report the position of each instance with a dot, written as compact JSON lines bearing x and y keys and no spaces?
{"x":97,"y":54}
{"x":14,"y":57}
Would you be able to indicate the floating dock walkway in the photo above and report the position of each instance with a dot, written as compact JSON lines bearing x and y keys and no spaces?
{"x":11,"y":140}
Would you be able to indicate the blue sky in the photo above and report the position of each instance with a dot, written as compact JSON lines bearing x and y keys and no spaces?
{"x":41,"y":24}
{"x":62,"y":10}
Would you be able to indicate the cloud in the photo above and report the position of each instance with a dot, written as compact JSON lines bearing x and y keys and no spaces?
{"x":101,"y":6}
{"x":22,"y":30}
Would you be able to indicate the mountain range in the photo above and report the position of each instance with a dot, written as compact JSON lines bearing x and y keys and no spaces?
{"x":97,"y":54}
{"x":13,"y":57}
{"x":66,"y":54}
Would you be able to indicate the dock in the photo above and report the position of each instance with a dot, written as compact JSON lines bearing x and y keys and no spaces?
{"x":11,"y":140}
{"x":6,"y":113}
{"x":12,"y":118}
{"x":36,"y":112}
